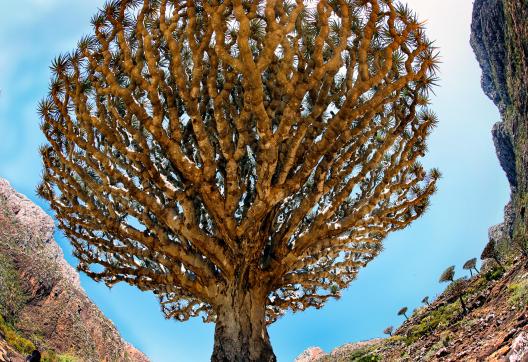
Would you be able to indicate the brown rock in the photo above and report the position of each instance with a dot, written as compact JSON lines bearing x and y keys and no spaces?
{"x":519,"y":348}
{"x":442,"y":352}
{"x":310,"y":355}
{"x":7,"y":354}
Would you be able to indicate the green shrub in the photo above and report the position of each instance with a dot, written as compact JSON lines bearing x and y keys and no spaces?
{"x":364,"y":355}
{"x":438,"y":318}
{"x":14,"y":339}
{"x":21,"y":344}
{"x":67,"y":358}
{"x":52,"y":356}
{"x":368,"y":358}
{"x":49,"y":356}
{"x":494,"y":274}
{"x":476,"y":285}
{"x":25,"y":346}
{"x":12,"y":294}
{"x":519,"y":294}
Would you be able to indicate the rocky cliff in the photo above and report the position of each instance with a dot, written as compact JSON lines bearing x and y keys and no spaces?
{"x":492,"y":325}
{"x":41,"y":293}
{"x":499,"y":36}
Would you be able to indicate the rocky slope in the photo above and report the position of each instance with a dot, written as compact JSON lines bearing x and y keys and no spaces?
{"x":53,"y":311}
{"x":495,"y":325}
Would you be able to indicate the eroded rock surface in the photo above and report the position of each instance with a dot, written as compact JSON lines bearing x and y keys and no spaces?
{"x":310,"y":354}
{"x":499,"y":37}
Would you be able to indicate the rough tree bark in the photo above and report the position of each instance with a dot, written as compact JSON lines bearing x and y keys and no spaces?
{"x":240,"y":332}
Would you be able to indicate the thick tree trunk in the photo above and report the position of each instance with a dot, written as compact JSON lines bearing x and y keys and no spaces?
{"x":240,"y":333}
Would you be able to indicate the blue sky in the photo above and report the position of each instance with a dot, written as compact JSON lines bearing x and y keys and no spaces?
{"x":471,"y":194}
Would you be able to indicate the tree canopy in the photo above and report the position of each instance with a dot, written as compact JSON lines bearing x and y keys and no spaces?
{"x":403,"y":312}
{"x":447,"y":275}
{"x":425,"y":300}
{"x":471,"y":265}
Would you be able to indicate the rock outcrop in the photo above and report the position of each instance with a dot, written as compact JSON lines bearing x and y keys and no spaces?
{"x":310,"y":354}
{"x":499,"y":37}
{"x":58,"y":315}
{"x":7,"y":354}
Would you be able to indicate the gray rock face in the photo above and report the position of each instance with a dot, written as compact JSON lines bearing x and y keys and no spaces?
{"x":496,"y":233}
{"x":519,"y":348}
{"x":505,"y":152}
{"x":58,"y":309}
{"x":487,"y":40}
{"x":501,"y":235}
{"x":499,"y":37}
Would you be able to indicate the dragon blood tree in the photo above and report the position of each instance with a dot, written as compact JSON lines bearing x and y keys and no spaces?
{"x":239,"y":158}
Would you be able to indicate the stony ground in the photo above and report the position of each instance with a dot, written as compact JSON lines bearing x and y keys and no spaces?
{"x":8,"y":354}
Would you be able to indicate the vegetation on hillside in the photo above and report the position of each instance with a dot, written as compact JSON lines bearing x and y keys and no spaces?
{"x":12,"y":293}
{"x":13,"y":298}
{"x":453,"y":311}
